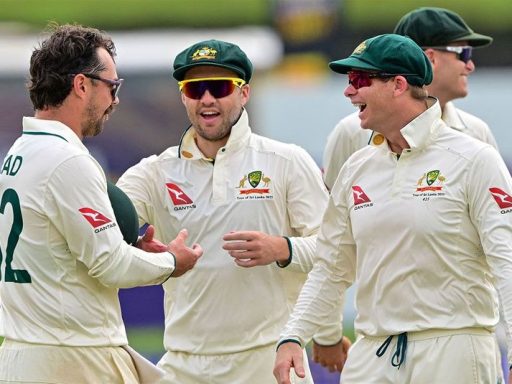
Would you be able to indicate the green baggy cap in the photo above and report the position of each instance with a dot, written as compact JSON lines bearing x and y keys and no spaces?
{"x":431,"y":27}
{"x":213,"y":52}
{"x":392,"y":54}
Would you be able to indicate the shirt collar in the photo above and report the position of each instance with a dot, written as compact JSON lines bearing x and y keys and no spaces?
{"x":452,"y":118}
{"x":240,"y":133}
{"x":420,"y":131}
{"x":35,"y":126}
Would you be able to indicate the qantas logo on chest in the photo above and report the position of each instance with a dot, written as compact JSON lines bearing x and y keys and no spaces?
{"x":179,"y":198}
{"x":502,"y":198}
{"x":361,"y":200}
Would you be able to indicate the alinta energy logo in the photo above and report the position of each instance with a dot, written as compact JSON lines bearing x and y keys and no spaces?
{"x":99,"y":221}
{"x":502,"y":198}
{"x":179,"y":198}
{"x":361,"y":200}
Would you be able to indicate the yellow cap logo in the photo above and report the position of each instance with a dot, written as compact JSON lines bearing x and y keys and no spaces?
{"x":360,"y":48}
{"x":204,"y":53}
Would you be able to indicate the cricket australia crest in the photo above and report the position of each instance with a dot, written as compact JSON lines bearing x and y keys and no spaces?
{"x":254,"y":185}
{"x":430,"y":184}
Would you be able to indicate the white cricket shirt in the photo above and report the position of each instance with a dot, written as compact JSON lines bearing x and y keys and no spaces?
{"x":426,"y":237}
{"x":255,"y":184}
{"x":63,"y":253}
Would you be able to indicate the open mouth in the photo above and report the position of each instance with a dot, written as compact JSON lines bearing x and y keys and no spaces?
{"x":361,"y":106}
{"x":207,"y":115}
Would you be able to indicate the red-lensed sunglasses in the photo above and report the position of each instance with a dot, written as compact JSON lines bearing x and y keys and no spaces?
{"x":218,"y":87}
{"x":360,"y":79}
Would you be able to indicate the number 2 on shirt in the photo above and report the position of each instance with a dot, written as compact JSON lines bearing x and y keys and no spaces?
{"x":13,"y":275}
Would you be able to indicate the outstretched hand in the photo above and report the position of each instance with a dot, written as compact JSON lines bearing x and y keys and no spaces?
{"x":148,"y":243}
{"x":186,"y":257}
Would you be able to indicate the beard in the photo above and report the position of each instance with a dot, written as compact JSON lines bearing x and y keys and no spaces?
{"x":92,"y":125}
{"x":218,"y":134}
{"x":214,"y":136}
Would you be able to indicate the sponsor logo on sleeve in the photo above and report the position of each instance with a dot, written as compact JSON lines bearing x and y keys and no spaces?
{"x":179,"y":198}
{"x":502,"y":198}
{"x":99,"y":221}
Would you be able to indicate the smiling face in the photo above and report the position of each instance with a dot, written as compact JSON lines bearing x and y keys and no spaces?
{"x":212,"y":118}
{"x":450,"y":74}
{"x":372,"y":101}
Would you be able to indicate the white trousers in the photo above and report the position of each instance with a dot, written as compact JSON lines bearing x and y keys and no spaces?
{"x":250,"y":367}
{"x":35,"y":363}
{"x":462,"y":356}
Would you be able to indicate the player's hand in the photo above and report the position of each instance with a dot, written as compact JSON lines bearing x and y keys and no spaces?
{"x":148,"y":243}
{"x":251,"y":248}
{"x":288,"y":355}
{"x":186,"y":257}
{"x":332,"y":357}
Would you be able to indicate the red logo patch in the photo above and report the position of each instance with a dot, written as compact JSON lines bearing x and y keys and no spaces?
{"x":177,"y":195}
{"x":359,"y":195}
{"x":95,"y":218}
{"x":503,"y":199}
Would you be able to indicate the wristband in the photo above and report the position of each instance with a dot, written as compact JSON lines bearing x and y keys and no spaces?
{"x":290,"y":251}
{"x":175,"y":264}
{"x":288,"y":341}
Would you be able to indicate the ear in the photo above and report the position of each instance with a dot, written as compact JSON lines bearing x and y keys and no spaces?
{"x":401,"y":85}
{"x":79,"y":86}
{"x":245,"y":93}
{"x":431,"y":54}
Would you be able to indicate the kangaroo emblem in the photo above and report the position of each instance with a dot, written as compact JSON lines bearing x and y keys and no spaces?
{"x":242,"y":182}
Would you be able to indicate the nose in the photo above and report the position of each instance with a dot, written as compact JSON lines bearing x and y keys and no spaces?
{"x":116,"y":100}
{"x":207,"y":98}
{"x":470,"y":66}
{"x":349,"y":90}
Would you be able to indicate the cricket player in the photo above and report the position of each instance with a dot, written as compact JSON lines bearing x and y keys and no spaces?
{"x":62,"y":254}
{"x":448,"y":42}
{"x":252,"y":202}
{"x":421,"y":220}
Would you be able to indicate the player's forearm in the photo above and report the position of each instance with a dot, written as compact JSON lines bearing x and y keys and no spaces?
{"x":129,"y":267}
{"x":321,"y":295}
{"x":303,"y":253}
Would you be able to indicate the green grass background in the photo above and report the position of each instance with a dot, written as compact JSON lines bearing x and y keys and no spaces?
{"x":131,"y":14}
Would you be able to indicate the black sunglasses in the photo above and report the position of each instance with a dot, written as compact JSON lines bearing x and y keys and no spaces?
{"x":115,"y":85}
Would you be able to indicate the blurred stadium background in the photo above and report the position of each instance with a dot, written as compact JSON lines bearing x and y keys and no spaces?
{"x":295,"y":98}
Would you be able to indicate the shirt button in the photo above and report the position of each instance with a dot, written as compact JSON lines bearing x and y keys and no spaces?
{"x":378,"y":139}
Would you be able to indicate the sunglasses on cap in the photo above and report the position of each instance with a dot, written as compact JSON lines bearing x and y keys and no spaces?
{"x":463,"y":53}
{"x":115,"y":85}
{"x":360,"y":79}
{"x":218,"y":87}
